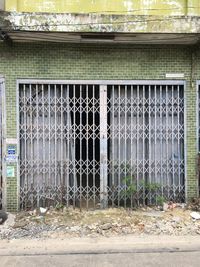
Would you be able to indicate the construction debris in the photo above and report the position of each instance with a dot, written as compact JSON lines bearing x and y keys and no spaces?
{"x":69,"y":222}
{"x":3,"y":216}
{"x":194,"y":204}
{"x":43,"y":211}
{"x":195,"y":215}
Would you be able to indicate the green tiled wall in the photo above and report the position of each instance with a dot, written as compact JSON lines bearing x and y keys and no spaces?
{"x":96,"y":62}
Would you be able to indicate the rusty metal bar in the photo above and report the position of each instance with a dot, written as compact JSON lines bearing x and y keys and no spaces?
{"x":103,"y":147}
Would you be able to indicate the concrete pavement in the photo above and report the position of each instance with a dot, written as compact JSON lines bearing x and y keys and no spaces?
{"x":116,"y":251}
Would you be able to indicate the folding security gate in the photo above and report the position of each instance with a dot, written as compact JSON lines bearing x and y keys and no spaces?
{"x":198,"y":131}
{"x":146,"y":135}
{"x":85,"y":143}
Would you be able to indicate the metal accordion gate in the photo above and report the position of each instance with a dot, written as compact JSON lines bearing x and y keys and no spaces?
{"x":86,"y":144}
{"x":198,"y":134}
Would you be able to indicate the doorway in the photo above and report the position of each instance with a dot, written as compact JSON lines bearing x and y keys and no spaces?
{"x":100,"y":143}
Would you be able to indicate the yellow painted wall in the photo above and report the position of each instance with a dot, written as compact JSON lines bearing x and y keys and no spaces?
{"x":138,"y":7}
{"x":194,"y":7}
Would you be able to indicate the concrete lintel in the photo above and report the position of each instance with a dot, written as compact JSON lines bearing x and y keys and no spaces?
{"x":98,"y":23}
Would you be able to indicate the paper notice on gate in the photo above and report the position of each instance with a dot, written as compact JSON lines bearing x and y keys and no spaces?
{"x":10,"y":171}
{"x":11,"y":158}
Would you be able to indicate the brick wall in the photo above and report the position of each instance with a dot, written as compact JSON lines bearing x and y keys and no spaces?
{"x":75,"y":61}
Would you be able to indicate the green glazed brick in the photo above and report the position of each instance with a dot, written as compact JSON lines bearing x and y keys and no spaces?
{"x":101,"y":62}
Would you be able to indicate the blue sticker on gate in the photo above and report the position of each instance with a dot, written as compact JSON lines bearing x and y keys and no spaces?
{"x":11,"y":150}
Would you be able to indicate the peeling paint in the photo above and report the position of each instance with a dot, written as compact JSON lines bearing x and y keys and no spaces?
{"x":100,"y":23}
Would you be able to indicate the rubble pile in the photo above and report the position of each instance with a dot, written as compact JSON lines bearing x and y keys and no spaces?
{"x":68,"y":222}
{"x":194,"y":204}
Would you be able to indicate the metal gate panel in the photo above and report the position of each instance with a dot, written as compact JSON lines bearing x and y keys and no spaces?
{"x":59,"y":144}
{"x":101,"y":143}
{"x":198,"y":132}
{"x":1,"y":145}
{"x":198,"y":116}
{"x":146,"y":136}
